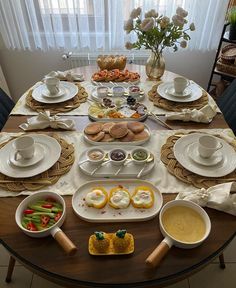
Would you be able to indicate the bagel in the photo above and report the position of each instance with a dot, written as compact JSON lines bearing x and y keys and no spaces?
{"x":118,"y":130}
{"x":136,"y":127}
{"x":93,"y":128}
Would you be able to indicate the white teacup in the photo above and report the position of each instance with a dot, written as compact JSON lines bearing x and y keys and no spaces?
{"x":24,"y":147}
{"x":52,"y":84}
{"x":208,"y":145}
{"x":180,"y":83}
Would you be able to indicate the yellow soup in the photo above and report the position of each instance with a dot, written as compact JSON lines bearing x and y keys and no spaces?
{"x":184,"y":224}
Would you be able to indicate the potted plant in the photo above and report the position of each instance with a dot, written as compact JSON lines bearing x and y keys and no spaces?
{"x":232,"y":21}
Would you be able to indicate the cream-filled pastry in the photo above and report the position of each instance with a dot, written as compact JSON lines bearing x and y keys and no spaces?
{"x":97,"y":198}
{"x":143,"y":197}
{"x":119,"y":197}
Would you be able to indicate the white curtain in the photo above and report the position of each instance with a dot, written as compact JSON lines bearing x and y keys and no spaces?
{"x":97,"y":25}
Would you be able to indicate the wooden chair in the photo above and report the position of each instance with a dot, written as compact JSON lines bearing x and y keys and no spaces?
{"x":6,"y":105}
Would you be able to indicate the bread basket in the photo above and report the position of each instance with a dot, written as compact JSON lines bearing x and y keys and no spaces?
{"x":110,"y":62}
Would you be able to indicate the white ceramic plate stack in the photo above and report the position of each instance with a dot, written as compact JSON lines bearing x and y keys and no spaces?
{"x":130,"y":170}
{"x":191,"y":93}
{"x":110,"y":214}
{"x":47,"y":152}
{"x":67,"y":91}
{"x":220,"y":164}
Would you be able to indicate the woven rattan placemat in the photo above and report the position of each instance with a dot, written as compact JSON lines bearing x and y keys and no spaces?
{"x":49,"y":177}
{"x":175,"y":106}
{"x":55,"y":108}
{"x":174,"y":167}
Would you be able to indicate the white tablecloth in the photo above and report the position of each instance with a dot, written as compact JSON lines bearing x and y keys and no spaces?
{"x":22,"y":109}
{"x":160,"y":177}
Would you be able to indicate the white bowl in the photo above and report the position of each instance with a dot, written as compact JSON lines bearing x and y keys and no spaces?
{"x":171,"y":240}
{"x":118,"y":91}
{"x":118,"y":163}
{"x":102,"y":91}
{"x":140,"y":162}
{"x":98,"y":160}
{"x":33,"y":199}
{"x":134,"y":93}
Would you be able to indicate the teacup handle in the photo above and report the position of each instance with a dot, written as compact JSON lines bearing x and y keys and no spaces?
{"x":220,"y":146}
{"x":15,"y":155}
{"x":188,"y":83}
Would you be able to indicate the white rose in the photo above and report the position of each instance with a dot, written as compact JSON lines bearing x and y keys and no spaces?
{"x":128,"y":45}
{"x":178,"y":20}
{"x":151,"y":13}
{"x":135,"y":13}
{"x":192,"y":27}
{"x":181,"y":12}
{"x":147,"y":24}
{"x":129,"y":25}
{"x":183,"y":44}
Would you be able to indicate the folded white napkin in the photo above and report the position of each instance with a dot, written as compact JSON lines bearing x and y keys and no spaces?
{"x":220,"y":197}
{"x":44,"y":120}
{"x":204,"y":115}
{"x":70,"y":76}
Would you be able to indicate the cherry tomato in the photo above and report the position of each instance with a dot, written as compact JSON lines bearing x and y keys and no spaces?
{"x":58,"y":216}
{"x":31,"y":226}
{"x":28,"y":211}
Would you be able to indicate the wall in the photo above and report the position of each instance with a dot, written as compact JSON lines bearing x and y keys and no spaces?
{"x":23,"y":68}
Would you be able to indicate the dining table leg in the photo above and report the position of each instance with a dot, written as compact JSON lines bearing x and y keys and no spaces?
{"x":222,"y":261}
{"x":10,"y":269}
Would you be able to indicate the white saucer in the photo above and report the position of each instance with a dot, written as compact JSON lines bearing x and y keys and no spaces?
{"x":211,"y":161}
{"x":52,"y":152}
{"x":70,"y":90}
{"x":196,"y":92}
{"x":60,"y":93}
{"x":222,"y":168}
{"x":21,"y":162}
{"x":171,"y":90}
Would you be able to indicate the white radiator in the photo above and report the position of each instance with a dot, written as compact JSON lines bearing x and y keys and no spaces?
{"x":78,"y":59}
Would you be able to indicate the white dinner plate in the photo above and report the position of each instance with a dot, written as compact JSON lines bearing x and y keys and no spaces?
{"x":130,"y":170}
{"x":196,"y":92}
{"x":110,"y":214}
{"x":195,"y":156}
{"x":21,"y":162}
{"x":171,"y":90}
{"x":52,"y":152}
{"x":224,"y":167}
{"x":70,"y":90}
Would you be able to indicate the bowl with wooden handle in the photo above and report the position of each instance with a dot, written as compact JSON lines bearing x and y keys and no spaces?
{"x":180,"y":231}
{"x":53,"y":230}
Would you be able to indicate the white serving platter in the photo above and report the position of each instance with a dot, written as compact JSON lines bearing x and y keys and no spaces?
{"x":70,"y":90}
{"x":109,"y":170}
{"x":196,"y":92}
{"x":109,"y":214}
{"x":112,"y":83}
{"x":140,"y":142}
{"x":222,"y":168}
{"x":52,"y":152}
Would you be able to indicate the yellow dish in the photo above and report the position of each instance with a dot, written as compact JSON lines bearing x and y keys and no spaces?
{"x":111,"y":249}
{"x":143,"y":197}
{"x":97,"y":198}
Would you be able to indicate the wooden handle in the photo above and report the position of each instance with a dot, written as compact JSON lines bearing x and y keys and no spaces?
{"x":156,"y":256}
{"x":65,"y":242}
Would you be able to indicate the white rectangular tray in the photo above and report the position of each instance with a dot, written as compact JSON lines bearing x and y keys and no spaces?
{"x":109,"y":214}
{"x":109,"y":170}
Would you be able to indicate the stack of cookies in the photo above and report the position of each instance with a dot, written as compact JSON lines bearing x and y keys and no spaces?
{"x":116,"y":131}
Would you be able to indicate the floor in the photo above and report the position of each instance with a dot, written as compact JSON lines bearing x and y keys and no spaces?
{"x":211,"y":276}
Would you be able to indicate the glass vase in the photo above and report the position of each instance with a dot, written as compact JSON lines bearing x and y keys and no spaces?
{"x":155,"y":66}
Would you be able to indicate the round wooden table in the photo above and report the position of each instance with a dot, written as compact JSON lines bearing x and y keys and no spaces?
{"x":45,"y":258}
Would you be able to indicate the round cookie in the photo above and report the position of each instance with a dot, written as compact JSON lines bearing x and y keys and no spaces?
{"x":93,"y":128}
{"x":107,"y":138}
{"x":106,"y":126}
{"x":141,"y":136}
{"x":136,"y":127}
{"x":128,"y":137}
{"x":118,"y":130}
{"x":97,"y":137}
